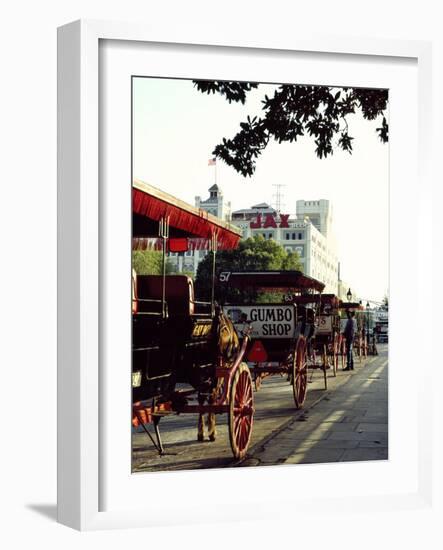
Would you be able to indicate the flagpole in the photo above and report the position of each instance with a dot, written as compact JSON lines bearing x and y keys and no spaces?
{"x":213,"y":162}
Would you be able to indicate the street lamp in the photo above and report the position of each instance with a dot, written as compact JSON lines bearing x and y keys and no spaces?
{"x":349,"y":295}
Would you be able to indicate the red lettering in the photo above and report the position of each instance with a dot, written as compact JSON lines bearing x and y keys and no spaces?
{"x":284,"y":220}
{"x":269,"y":221}
{"x":257,"y":223}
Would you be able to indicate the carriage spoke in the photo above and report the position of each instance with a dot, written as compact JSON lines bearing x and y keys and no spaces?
{"x":237,"y":425}
{"x":243,"y":436}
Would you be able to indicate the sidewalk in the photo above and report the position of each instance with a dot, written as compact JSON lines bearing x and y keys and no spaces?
{"x":349,"y":424}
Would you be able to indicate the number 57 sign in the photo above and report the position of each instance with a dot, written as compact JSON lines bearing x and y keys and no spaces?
{"x":224,"y":276}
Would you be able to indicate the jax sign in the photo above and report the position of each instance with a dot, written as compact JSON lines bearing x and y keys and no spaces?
{"x":267,"y":320}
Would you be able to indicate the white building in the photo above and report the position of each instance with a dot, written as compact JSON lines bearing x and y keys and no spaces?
{"x":319,"y":213}
{"x":215,"y":204}
{"x":309,"y":234}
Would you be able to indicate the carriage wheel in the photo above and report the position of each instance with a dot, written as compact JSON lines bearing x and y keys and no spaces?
{"x":241,"y":411}
{"x":299,"y":373}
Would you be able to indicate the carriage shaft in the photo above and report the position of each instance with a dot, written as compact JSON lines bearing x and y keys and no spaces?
{"x":203,"y":409}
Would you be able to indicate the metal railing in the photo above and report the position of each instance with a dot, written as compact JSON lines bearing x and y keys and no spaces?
{"x":163,"y":310}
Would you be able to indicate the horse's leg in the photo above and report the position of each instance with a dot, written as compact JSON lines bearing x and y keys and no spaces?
{"x":201,"y":423}
{"x":212,"y":432}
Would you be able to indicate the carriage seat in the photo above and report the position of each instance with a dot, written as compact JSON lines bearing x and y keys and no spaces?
{"x":179,"y":293}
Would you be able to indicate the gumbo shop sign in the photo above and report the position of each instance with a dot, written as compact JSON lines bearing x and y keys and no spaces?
{"x":266,"y":321}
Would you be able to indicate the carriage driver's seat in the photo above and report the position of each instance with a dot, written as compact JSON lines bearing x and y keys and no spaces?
{"x":179,"y":292}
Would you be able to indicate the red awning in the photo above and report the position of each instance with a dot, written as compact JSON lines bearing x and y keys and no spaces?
{"x":175,"y":244}
{"x":151,"y":204}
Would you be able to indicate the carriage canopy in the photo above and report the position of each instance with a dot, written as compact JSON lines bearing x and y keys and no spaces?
{"x":271,"y":280}
{"x":189,"y":227}
{"x":331,"y":300}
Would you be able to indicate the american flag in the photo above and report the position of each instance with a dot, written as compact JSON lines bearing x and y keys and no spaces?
{"x":211,"y":162}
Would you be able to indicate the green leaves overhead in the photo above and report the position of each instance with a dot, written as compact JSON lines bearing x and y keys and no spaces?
{"x":383,"y":132}
{"x":233,"y":91}
{"x":293,"y":111}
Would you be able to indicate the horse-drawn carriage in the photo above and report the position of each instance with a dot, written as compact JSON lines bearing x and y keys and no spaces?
{"x":279,"y":310}
{"x":186,"y":357}
{"x":324,"y":350}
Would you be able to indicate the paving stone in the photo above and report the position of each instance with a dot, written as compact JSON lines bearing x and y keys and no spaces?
{"x":308,"y":428}
{"x":316,"y":456}
{"x":378,"y":444}
{"x":304,"y":436}
{"x":326,"y":418}
{"x":355,"y":436}
{"x":376,"y":418}
{"x":329,"y":444}
{"x":364,"y":454}
{"x":372,"y":427}
{"x":344,"y":427}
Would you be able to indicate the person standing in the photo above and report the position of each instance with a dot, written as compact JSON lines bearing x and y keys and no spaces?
{"x":349,"y":334}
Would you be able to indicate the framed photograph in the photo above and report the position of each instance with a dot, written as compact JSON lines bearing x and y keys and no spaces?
{"x":235,"y":288}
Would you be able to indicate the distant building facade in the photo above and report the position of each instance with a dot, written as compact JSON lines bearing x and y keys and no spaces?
{"x":215,"y":204}
{"x":309,"y":234}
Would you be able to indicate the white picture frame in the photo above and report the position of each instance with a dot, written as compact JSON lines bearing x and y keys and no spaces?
{"x":80,"y":444}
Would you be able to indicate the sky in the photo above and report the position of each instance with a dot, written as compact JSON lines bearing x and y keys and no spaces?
{"x":175,"y":129}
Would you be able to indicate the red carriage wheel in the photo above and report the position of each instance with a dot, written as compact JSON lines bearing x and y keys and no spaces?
{"x":241,"y":411}
{"x":299,"y":373}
